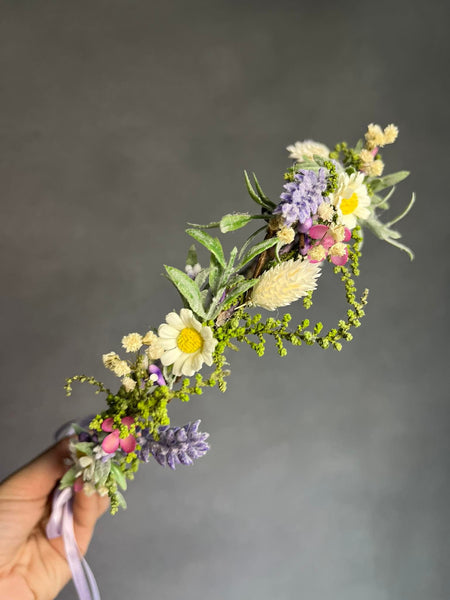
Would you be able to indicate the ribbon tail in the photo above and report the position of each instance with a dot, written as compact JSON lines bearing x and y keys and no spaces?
{"x":61,"y":523}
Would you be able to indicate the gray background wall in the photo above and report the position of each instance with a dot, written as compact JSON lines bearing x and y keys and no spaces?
{"x":119,"y":121}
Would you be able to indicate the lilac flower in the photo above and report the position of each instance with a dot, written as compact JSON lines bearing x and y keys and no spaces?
{"x":302,"y":196}
{"x":156,"y":375}
{"x":176,"y":445}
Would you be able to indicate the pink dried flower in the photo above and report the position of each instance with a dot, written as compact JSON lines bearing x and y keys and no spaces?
{"x":112,"y":441}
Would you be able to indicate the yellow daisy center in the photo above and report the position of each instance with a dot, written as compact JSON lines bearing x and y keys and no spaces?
{"x":348,"y":205}
{"x":189,"y":340}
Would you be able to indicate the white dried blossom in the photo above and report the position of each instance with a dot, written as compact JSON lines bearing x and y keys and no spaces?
{"x":390,"y":134}
{"x":317,"y":253}
{"x":307,"y":149}
{"x":338,"y":232}
{"x":193,"y":270}
{"x":326,"y":211}
{"x":110,"y":360}
{"x":132,"y":342}
{"x":374,"y":136}
{"x":121,"y":368}
{"x":129,"y":384}
{"x":366,"y":156}
{"x":149,"y":338}
{"x":374,"y":169}
{"x":156,"y":350}
{"x":285,"y":283}
{"x":286,"y":235}
{"x":338,"y":249}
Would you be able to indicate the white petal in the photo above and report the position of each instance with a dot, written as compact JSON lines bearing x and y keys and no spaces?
{"x":197,"y":361}
{"x":178,"y":367}
{"x":168,"y":343}
{"x":170,"y":356}
{"x":185,"y":316}
{"x":208,"y":359}
{"x":167,"y":331}
{"x":174,"y":320}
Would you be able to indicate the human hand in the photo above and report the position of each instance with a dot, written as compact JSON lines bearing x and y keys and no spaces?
{"x":33,"y":567}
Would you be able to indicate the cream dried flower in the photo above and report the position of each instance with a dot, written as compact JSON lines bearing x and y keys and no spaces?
{"x":317,"y":253}
{"x":307,"y":149}
{"x":338,"y":249}
{"x":121,"y":368}
{"x":366,"y":156}
{"x":129,"y":384}
{"x":326,"y":211}
{"x":390,"y":134}
{"x":374,"y":136}
{"x":132,"y":342}
{"x":149,"y":338}
{"x":110,"y":360}
{"x":285,"y":283}
{"x":286,"y":235}
{"x":338,"y":232}
{"x":374,"y":169}
{"x":156,"y":350}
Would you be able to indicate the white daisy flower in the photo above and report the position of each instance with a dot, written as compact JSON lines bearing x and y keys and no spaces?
{"x":306,"y":149}
{"x":187,"y":343}
{"x":351,"y":199}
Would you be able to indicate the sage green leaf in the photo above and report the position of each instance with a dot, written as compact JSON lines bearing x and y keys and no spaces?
{"x":102,"y":470}
{"x":261,"y":201}
{"x":121,"y":500}
{"x":118,"y":476}
{"x":381,"y":183}
{"x":257,"y":249}
{"x":202,"y":278}
{"x":228,"y":271}
{"x":191,"y":259}
{"x":249,"y":241}
{"x":241,"y":288}
{"x":68,"y":479}
{"x":358,"y":147}
{"x":85,"y":447}
{"x":208,"y":226}
{"x":262,"y":195}
{"x":235,"y":221}
{"x":187,"y":288}
{"x":211,"y":243}
{"x":214,"y":274}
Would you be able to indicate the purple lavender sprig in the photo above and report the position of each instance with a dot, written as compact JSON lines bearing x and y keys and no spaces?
{"x":176,"y":445}
{"x":302,"y":196}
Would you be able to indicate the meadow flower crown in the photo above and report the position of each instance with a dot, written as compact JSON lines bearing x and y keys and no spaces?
{"x":327,"y":199}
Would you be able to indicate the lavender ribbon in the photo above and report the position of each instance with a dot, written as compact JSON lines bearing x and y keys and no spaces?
{"x":61,"y":523}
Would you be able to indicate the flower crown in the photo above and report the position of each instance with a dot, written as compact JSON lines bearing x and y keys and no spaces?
{"x":328,"y":198}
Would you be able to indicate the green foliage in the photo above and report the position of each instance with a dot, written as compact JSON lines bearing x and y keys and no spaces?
{"x":188,"y":289}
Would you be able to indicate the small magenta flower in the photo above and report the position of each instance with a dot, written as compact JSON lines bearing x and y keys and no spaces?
{"x":330,"y":242}
{"x":112,"y":441}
